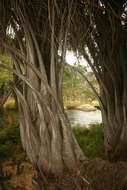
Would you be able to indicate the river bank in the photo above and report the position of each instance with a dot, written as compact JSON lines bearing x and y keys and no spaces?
{"x":88,"y":106}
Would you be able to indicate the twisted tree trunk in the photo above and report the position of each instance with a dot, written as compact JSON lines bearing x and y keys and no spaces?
{"x":45,"y":130}
{"x":114,"y":112}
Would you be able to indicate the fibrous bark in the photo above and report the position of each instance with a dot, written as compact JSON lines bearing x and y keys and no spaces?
{"x":103,"y":45}
{"x":45,"y":130}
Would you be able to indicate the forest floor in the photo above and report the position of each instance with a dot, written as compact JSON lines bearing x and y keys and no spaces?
{"x":98,"y":174}
{"x":95,"y":174}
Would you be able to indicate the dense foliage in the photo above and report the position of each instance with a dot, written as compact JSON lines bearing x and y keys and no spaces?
{"x":10,"y":143}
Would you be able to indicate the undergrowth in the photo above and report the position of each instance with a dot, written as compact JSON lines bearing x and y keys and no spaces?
{"x":10,"y":143}
{"x":91,"y":140}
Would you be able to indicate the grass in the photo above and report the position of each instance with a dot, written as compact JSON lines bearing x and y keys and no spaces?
{"x":4,"y":184}
{"x":10,"y":143}
{"x":91,"y":140}
{"x":5,"y":75}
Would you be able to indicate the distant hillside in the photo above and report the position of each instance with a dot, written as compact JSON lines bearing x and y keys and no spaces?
{"x":76,"y":90}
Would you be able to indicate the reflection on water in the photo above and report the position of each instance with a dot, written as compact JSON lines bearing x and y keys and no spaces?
{"x":84,"y":117}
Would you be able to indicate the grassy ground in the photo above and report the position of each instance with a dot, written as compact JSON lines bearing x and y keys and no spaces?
{"x":91,"y":140}
{"x":10,"y":143}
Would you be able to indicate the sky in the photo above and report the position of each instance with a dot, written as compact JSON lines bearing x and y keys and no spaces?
{"x":72,"y":59}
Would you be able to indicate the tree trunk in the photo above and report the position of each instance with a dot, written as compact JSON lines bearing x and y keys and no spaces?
{"x":45,"y":130}
{"x":115,"y":127}
{"x":46,"y":133}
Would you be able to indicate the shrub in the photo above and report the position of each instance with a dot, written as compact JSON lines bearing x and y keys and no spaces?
{"x":10,"y":144}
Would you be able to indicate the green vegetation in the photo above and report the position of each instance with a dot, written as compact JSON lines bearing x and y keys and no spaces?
{"x":4,"y":183}
{"x":76,"y":90}
{"x":10,"y":146}
{"x":5,"y":76}
{"x":91,"y":140}
{"x":10,"y":143}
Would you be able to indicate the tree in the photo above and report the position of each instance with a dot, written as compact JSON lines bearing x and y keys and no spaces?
{"x":101,"y":38}
{"x":40,"y":30}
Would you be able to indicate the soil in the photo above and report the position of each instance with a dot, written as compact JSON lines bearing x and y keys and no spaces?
{"x":20,"y":177}
{"x":104,"y":175}
{"x":94,"y":174}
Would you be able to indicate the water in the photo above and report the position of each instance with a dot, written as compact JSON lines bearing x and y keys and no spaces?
{"x":84,"y":117}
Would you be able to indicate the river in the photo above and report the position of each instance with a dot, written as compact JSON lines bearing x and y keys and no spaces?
{"x":84,"y":118}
